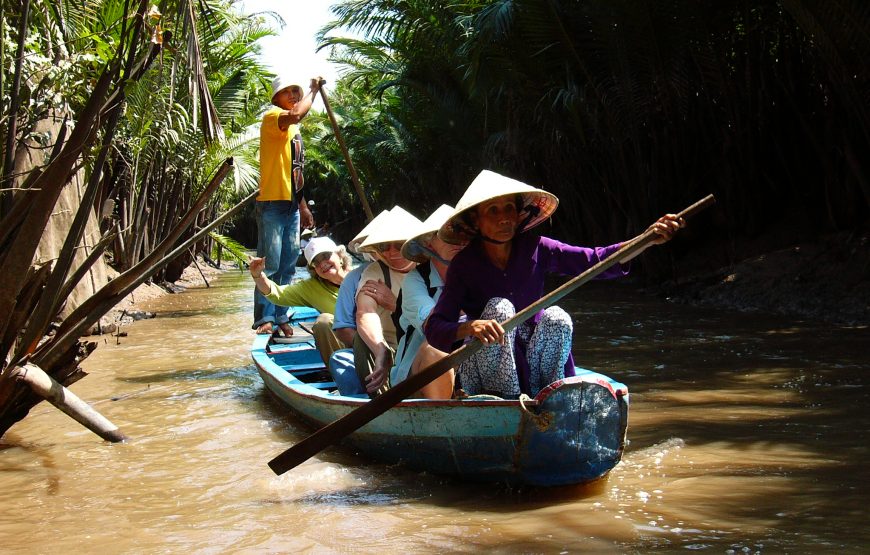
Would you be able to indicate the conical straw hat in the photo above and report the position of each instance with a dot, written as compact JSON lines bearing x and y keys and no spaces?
{"x":397,"y":226}
{"x":353,"y":245}
{"x":413,"y":247}
{"x":538,"y":205}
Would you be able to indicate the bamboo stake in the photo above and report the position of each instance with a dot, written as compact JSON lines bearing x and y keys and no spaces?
{"x":195,"y":263}
{"x":344,"y":151}
{"x":46,"y":387}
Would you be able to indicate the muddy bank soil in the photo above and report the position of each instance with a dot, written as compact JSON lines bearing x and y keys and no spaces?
{"x":827,"y":279}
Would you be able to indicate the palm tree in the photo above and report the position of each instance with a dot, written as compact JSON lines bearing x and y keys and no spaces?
{"x":148,"y":140}
{"x":624,"y":110}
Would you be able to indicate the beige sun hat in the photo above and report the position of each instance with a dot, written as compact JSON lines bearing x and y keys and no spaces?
{"x":397,"y":226}
{"x":538,"y":205}
{"x":282,"y":82}
{"x":353,"y":245}
{"x":413,"y":249}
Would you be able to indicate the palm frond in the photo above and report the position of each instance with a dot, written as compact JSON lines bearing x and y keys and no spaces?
{"x":230,"y":248}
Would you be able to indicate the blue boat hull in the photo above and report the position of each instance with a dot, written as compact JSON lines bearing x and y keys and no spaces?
{"x":572,"y":432}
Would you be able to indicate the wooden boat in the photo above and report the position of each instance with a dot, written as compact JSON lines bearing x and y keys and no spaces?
{"x":572,"y":432}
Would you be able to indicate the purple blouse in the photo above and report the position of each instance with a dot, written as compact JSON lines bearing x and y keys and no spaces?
{"x":472,"y":280}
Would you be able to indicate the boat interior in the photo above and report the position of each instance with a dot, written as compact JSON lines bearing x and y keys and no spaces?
{"x":298,"y":355}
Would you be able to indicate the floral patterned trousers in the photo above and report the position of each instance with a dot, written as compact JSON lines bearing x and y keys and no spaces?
{"x":493,"y":369}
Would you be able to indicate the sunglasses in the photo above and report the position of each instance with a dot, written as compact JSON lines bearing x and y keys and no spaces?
{"x":321,"y":258}
{"x":384,"y":247}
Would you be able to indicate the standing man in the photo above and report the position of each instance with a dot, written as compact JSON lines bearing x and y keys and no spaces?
{"x":281,"y":204}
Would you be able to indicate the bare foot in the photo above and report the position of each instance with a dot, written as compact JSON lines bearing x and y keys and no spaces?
{"x":265,"y":328}
{"x":287,"y":329}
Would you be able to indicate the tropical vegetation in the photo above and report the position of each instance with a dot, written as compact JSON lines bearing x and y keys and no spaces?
{"x":624,"y":109}
{"x":144,"y":109}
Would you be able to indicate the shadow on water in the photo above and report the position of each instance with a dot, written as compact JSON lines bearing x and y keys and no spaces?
{"x":770,"y":403}
{"x":410,"y":486}
{"x":240,"y":373}
{"x":42,"y":454}
{"x":190,"y":313}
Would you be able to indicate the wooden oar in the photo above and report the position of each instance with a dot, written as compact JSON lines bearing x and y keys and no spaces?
{"x":347,"y":424}
{"x":344,"y":151}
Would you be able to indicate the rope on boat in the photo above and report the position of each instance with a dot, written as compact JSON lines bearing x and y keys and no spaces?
{"x":542,"y":421}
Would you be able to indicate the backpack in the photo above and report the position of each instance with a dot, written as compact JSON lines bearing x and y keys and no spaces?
{"x":423,"y":269}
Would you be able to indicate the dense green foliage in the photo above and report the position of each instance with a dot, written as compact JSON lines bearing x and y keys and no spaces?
{"x":179,"y":120}
{"x":124,"y":107}
{"x":624,"y":109}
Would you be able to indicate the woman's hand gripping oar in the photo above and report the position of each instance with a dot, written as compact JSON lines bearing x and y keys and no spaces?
{"x":349,"y":423}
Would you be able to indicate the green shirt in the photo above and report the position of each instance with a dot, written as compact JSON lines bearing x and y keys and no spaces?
{"x":311,"y":292}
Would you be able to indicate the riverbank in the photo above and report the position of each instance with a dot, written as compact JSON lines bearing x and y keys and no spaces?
{"x":826,"y":280}
{"x":130,"y":309}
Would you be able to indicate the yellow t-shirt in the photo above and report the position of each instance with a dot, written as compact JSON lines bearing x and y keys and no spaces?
{"x":277,"y":158}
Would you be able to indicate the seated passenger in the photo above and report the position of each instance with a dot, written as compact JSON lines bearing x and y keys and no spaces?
{"x":420,"y":290}
{"x":378,"y":301}
{"x":341,"y":364}
{"x":501,"y":272}
{"x":328,"y":265}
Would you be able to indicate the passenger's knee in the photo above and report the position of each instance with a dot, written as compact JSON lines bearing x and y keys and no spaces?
{"x":557,"y":317}
{"x":323,"y":321}
{"x":427,"y":354}
{"x":341,"y":368}
{"x":498,"y":308}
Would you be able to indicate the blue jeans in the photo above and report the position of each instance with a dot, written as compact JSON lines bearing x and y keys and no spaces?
{"x":278,"y":241}
{"x":342,"y":370}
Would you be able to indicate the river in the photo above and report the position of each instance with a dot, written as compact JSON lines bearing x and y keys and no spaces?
{"x":745,"y":436}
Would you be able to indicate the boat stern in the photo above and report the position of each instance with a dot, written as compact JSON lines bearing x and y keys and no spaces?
{"x":576,"y":434}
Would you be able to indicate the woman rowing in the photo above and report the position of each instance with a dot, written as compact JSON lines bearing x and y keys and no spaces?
{"x":328,"y":265}
{"x":502,"y":271}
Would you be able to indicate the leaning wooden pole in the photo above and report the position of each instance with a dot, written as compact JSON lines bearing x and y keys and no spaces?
{"x":344,"y":151}
{"x":46,"y":387}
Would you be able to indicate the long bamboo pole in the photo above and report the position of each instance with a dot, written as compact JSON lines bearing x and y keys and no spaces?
{"x":347,"y":424}
{"x":344,"y":151}
{"x":46,"y":387}
{"x":110,"y":294}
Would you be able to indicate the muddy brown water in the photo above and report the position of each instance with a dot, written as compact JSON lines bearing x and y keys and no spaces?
{"x":748,"y":434}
